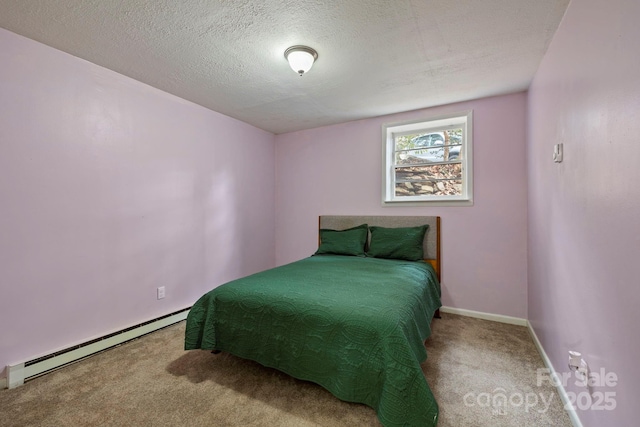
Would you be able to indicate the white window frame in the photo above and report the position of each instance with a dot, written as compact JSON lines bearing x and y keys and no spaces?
{"x":434,"y":124}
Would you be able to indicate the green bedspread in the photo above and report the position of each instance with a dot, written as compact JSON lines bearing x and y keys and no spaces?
{"x":354,"y":325}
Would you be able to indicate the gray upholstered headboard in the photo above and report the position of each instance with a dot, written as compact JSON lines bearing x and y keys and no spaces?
{"x":431,"y":242}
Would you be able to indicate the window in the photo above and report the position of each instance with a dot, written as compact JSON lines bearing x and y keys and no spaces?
{"x":428,"y":161}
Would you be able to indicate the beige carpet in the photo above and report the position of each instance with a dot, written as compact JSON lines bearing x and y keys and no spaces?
{"x":153,"y":382}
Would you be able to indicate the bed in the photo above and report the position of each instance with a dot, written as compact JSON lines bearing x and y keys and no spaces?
{"x":353,"y":324}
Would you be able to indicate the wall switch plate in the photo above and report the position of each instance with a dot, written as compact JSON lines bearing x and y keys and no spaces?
{"x":161,"y":292}
{"x":557,"y":153}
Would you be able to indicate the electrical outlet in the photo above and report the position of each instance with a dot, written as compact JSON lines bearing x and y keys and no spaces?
{"x":161,"y":292}
{"x":578,"y":365}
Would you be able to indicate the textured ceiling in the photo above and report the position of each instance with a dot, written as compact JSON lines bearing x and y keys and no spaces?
{"x":375,"y":56}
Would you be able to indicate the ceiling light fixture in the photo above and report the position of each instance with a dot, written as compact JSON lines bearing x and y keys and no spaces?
{"x":301,"y":58}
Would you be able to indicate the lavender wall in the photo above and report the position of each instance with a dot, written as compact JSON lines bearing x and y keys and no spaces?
{"x":338,"y":170}
{"x":584,"y":214}
{"x":110,"y":188}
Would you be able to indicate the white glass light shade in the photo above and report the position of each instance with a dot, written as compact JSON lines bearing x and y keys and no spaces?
{"x":301,"y":58}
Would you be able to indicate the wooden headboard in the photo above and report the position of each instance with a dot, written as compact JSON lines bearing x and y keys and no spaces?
{"x":431,"y":244}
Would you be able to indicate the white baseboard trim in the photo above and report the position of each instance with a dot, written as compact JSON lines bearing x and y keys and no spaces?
{"x":18,"y":373}
{"x":573,"y":415}
{"x":486,"y":316}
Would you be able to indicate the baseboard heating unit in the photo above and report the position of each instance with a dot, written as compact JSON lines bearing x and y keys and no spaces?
{"x":19,"y":373}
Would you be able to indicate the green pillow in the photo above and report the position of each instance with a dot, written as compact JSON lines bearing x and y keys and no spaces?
{"x":343,"y":242}
{"x":397,"y":243}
